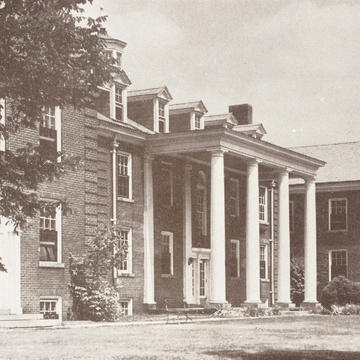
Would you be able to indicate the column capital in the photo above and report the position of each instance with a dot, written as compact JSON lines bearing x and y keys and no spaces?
{"x":218,"y":152}
{"x":188,"y":166}
{"x":149,"y":157}
{"x":284,"y":171}
{"x":309,"y":179}
{"x":253,"y":162}
{"x":114,"y":146}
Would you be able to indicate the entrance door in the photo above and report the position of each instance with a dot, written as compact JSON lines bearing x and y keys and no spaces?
{"x":10,"y":280}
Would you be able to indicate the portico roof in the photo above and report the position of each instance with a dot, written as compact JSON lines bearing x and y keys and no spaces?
{"x":236,"y":144}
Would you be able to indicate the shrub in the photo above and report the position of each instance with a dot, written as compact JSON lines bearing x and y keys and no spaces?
{"x":340,"y":291}
{"x":297,"y":282}
{"x":94,"y":295}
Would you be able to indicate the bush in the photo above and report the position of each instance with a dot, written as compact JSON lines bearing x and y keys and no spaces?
{"x":297,"y":282}
{"x":94,"y":296}
{"x":340,"y":291}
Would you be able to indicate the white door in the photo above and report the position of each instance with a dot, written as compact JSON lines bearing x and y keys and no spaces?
{"x":9,"y":281}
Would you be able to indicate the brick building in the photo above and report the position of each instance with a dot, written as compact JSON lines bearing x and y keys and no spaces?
{"x":337,"y":211}
{"x":202,"y":201}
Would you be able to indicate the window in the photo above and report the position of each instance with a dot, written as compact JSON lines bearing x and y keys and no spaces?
{"x":161,"y":117}
{"x":118,"y":59}
{"x":50,"y":307}
{"x":197,"y":125}
{"x":201,"y":205}
{"x":50,"y":133}
{"x":202,"y":277}
{"x":126,"y":307}
{"x":118,"y":103}
{"x":263,"y":262}
{"x":263,"y":204}
{"x":2,"y":122}
{"x":167,"y":190}
{"x":291,"y":216}
{"x":124,"y":176}
{"x":50,"y":234}
{"x":235,"y":258}
{"x":167,"y":253}
{"x":234,"y":197}
{"x":125,"y":266}
{"x":337,"y":263}
{"x":338,"y":214}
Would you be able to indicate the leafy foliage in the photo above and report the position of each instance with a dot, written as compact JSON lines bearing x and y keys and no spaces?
{"x":2,"y":267}
{"x":340,"y":291}
{"x":94,"y":294}
{"x":296,"y":282}
{"x":51,"y":54}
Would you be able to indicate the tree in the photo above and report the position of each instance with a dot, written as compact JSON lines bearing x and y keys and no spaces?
{"x":297,"y":282}
{"x":50,"y":55}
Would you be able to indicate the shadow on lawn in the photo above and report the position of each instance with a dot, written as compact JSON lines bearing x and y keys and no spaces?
{"x":287,"y":355}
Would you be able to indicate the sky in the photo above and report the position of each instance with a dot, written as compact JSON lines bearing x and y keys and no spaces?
{"x":296,"y":62}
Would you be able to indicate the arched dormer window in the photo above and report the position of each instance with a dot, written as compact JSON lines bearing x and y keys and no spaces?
{"x":201,"y":204}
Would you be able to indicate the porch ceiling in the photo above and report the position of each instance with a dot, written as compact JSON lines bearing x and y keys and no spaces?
{"x":236,"y":145}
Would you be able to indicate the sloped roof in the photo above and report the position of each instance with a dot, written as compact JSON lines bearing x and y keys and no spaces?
{"x":228,"y":117}
{"x":251,"y":129}
{"x":163,"y":90}
{"x":194,"y":105}
{"x":343,"y":160}
{"x":122,"y":76}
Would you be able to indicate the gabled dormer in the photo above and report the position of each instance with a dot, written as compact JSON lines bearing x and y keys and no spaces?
{"x":227,"y":120}
{"x":187,"y":116}
{"x":112,"y":99}
{"x":150,"y":108}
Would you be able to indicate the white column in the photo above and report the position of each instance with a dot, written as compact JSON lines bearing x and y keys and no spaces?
{"x":252,"y":235}
{"x":187,"y":239}
{"x":310,"y":242}
{"x":149,"y":288}
{"x":284,"y":240}
{"x":217,"y":229}
{"x":114,"y":187}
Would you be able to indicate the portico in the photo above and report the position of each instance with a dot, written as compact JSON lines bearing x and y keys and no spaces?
{"x":222,"y":151}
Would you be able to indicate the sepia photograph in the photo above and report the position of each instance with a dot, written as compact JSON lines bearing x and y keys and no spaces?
{"x":180,"y":179}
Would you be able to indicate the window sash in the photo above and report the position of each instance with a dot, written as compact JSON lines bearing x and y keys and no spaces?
{"x":202,"y":278}
{"x":124,"y":189}
{"x":338,"y":263}
{"x":48,"y":307}
{"x":125,"y":265}
{"x":234,"y":197}
{"x":234,"y":258}
{"x":197,"y":124}
{"x":263,"y":262}
{"x":161,"y":110}
{"x":167,"y":255}
{"x":338,"y":214}
{"x":263,"y":204}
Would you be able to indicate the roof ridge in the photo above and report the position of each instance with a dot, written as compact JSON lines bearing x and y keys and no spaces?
{"x":328,"y":144}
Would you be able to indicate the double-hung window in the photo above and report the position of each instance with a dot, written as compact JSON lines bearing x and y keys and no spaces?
{"x":161,"y":117}
{"x":50,"y":307}
{"x":263,"y":207}
{"x":338,"y":263}
{"x":124,"y":178}
{"x":197,"y":124}
{"x":50,"y":133}
{"x":263,"y":262}
{"x":50,"y":234}
{"x":118,"y":103}
{"x":125,"y":245}
{"x":167,"y":253}
{"x":234,"y":258}
{"x":234,"y":197}
{"x":338,"y":214}
{"x":126,"y":307}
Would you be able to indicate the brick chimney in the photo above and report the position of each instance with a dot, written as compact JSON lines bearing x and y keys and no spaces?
{"x":242,"y":113}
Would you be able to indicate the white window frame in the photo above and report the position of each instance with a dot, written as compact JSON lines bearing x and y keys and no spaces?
{"x":118,"y":104}
{"x":203,"y":187}
{"x":292,"y":219}
{"x":169,"y":167}
{"x":265,"y":220}
{"x":57,"y":111}
{"x":346,"y":212}
{"x":330,"y":261}
{"x":58,"y":228}
{"x":171,"y":249}
{"x":2,"y":122}
{"x":129,"y":303}
{"x":128,"y":270}
{"x":236,"y":199}
{"x":237,"y":253}
{"x":129,"y":169}
{"x":266,"y":259}
{"x":205,"y":262}
{"x":58,"y":306}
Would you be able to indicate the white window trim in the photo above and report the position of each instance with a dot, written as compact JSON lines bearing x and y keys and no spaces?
{"x":205,"y":262}
{"x":58,"y":300}
{"x":266,"y":257}
{"x":129,"y":269}
{"x":330,"y":261}
{"x":58,"y":263}
{"x":171,"y":249}
{"x":329,"y":215}
{"x":2,"y":122}
{"x":266,"y":220}
{"x":237,"y":205}
{"x":130,"y":305}
{"x":156,"y":106}
{"x":237,"y":244}
{"x":292,"y":220}
{"x":130,"y":198}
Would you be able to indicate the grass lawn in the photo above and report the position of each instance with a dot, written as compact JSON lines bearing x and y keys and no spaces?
{"x":300,"y":338}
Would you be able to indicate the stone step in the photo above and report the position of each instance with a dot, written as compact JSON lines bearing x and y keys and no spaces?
{"x":18,"y":317}
{"x":9,"y":324}
{"x":4,"y":311}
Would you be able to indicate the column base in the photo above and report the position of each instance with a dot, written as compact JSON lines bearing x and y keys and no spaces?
{"x":284,"y":305}
{"x":252,"y":304}
{"x":218,"y":305}
{"x":310,"y":305}
{"x":151,"y":307}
